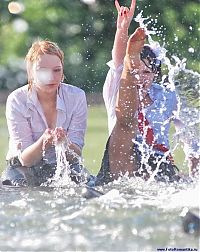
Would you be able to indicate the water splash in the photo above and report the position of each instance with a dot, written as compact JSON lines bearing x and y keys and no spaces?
{"x":65,"y":170}
{"x":141,"y":20}
{"x":62,"y":175}
{"x":186,"y":84}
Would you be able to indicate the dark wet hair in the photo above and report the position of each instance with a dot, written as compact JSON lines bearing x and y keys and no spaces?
{"x":153,"y":63}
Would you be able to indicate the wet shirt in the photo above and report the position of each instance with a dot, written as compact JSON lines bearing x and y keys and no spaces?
{"x":26,"y":121}
{"x":158,"y":114}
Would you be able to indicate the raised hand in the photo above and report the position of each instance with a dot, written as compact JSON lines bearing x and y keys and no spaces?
{"x":125,"y":15}
{"x":134,"y":47}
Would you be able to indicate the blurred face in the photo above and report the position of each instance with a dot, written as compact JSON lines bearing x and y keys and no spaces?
{"x":47,"y":72}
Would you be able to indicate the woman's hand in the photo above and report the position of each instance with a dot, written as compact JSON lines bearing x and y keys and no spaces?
{"x":60,"y":135}
{"x":125,"y":15}
{"x":73,"y":151}
{"x":53,"y":137}
{"x":48,"y":139}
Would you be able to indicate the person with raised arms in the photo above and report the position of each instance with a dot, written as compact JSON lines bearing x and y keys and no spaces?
{"x":156,"y":103}
{"x":119,"y":157}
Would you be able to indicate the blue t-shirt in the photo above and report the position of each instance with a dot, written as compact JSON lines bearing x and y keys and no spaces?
{"x":161,"y":112}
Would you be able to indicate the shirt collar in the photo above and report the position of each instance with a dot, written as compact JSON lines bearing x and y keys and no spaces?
{"x":32,"y":99}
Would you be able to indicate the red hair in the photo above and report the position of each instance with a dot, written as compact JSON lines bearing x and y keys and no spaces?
{"x":39,"y":48}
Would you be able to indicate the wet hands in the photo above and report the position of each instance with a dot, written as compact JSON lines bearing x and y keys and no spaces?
{"x":60,"y":135}
{"x":53,"y":137}
{"x":47,"y":138}
{"x":125,"y":15}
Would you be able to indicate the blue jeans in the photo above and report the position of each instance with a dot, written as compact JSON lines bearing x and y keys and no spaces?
{"x":17,"y":175}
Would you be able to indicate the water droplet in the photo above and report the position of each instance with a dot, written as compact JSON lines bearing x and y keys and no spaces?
{"x":191,"y":50}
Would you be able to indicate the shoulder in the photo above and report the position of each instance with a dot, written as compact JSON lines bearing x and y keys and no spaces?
{"x":164,"y":97}
{"x":18,"y":95}
{"x":17,"y":101}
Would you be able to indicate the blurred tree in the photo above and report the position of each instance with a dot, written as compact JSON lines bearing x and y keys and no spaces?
{"x":85,"y":31}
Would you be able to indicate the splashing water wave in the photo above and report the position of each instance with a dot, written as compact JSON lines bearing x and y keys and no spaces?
{"x":186,"y":84}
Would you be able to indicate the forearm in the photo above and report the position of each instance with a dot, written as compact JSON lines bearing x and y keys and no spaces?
{"x":124,"y":18}
{"x":127,"y":101}
{"x":119,"y":46}
{"x":73,"y":153}
{"x":32,"y":154}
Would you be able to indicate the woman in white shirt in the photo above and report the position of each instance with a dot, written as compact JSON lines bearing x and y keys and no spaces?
{"x":40,"y":114}
{"x":157,"y":104}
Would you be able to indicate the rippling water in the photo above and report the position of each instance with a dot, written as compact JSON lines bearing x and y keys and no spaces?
{"x":133,"y":215}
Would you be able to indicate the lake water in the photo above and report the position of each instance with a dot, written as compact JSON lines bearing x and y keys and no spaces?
{"x":133,"y":215}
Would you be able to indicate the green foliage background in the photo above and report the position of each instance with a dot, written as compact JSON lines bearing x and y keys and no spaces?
{"x":85,"y":33}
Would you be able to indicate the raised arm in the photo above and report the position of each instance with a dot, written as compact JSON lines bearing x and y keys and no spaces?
{"x":127,"y":101}
{"x":121,"y":154}
{"x":124,"y":18}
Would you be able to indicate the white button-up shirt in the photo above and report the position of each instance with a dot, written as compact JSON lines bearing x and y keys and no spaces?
{"x":26,"y":121}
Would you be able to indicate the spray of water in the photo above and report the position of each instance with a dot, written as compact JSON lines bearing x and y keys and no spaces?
{"x":186,"y":84}
{"x":64,"y":170}
{"x":62,"y":174}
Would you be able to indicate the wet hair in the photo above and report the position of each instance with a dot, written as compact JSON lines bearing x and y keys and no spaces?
{"x":37,"y":49}
{"x":153,"y":63}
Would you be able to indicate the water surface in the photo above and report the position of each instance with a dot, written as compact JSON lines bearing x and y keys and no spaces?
{"x":133,"y":215}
